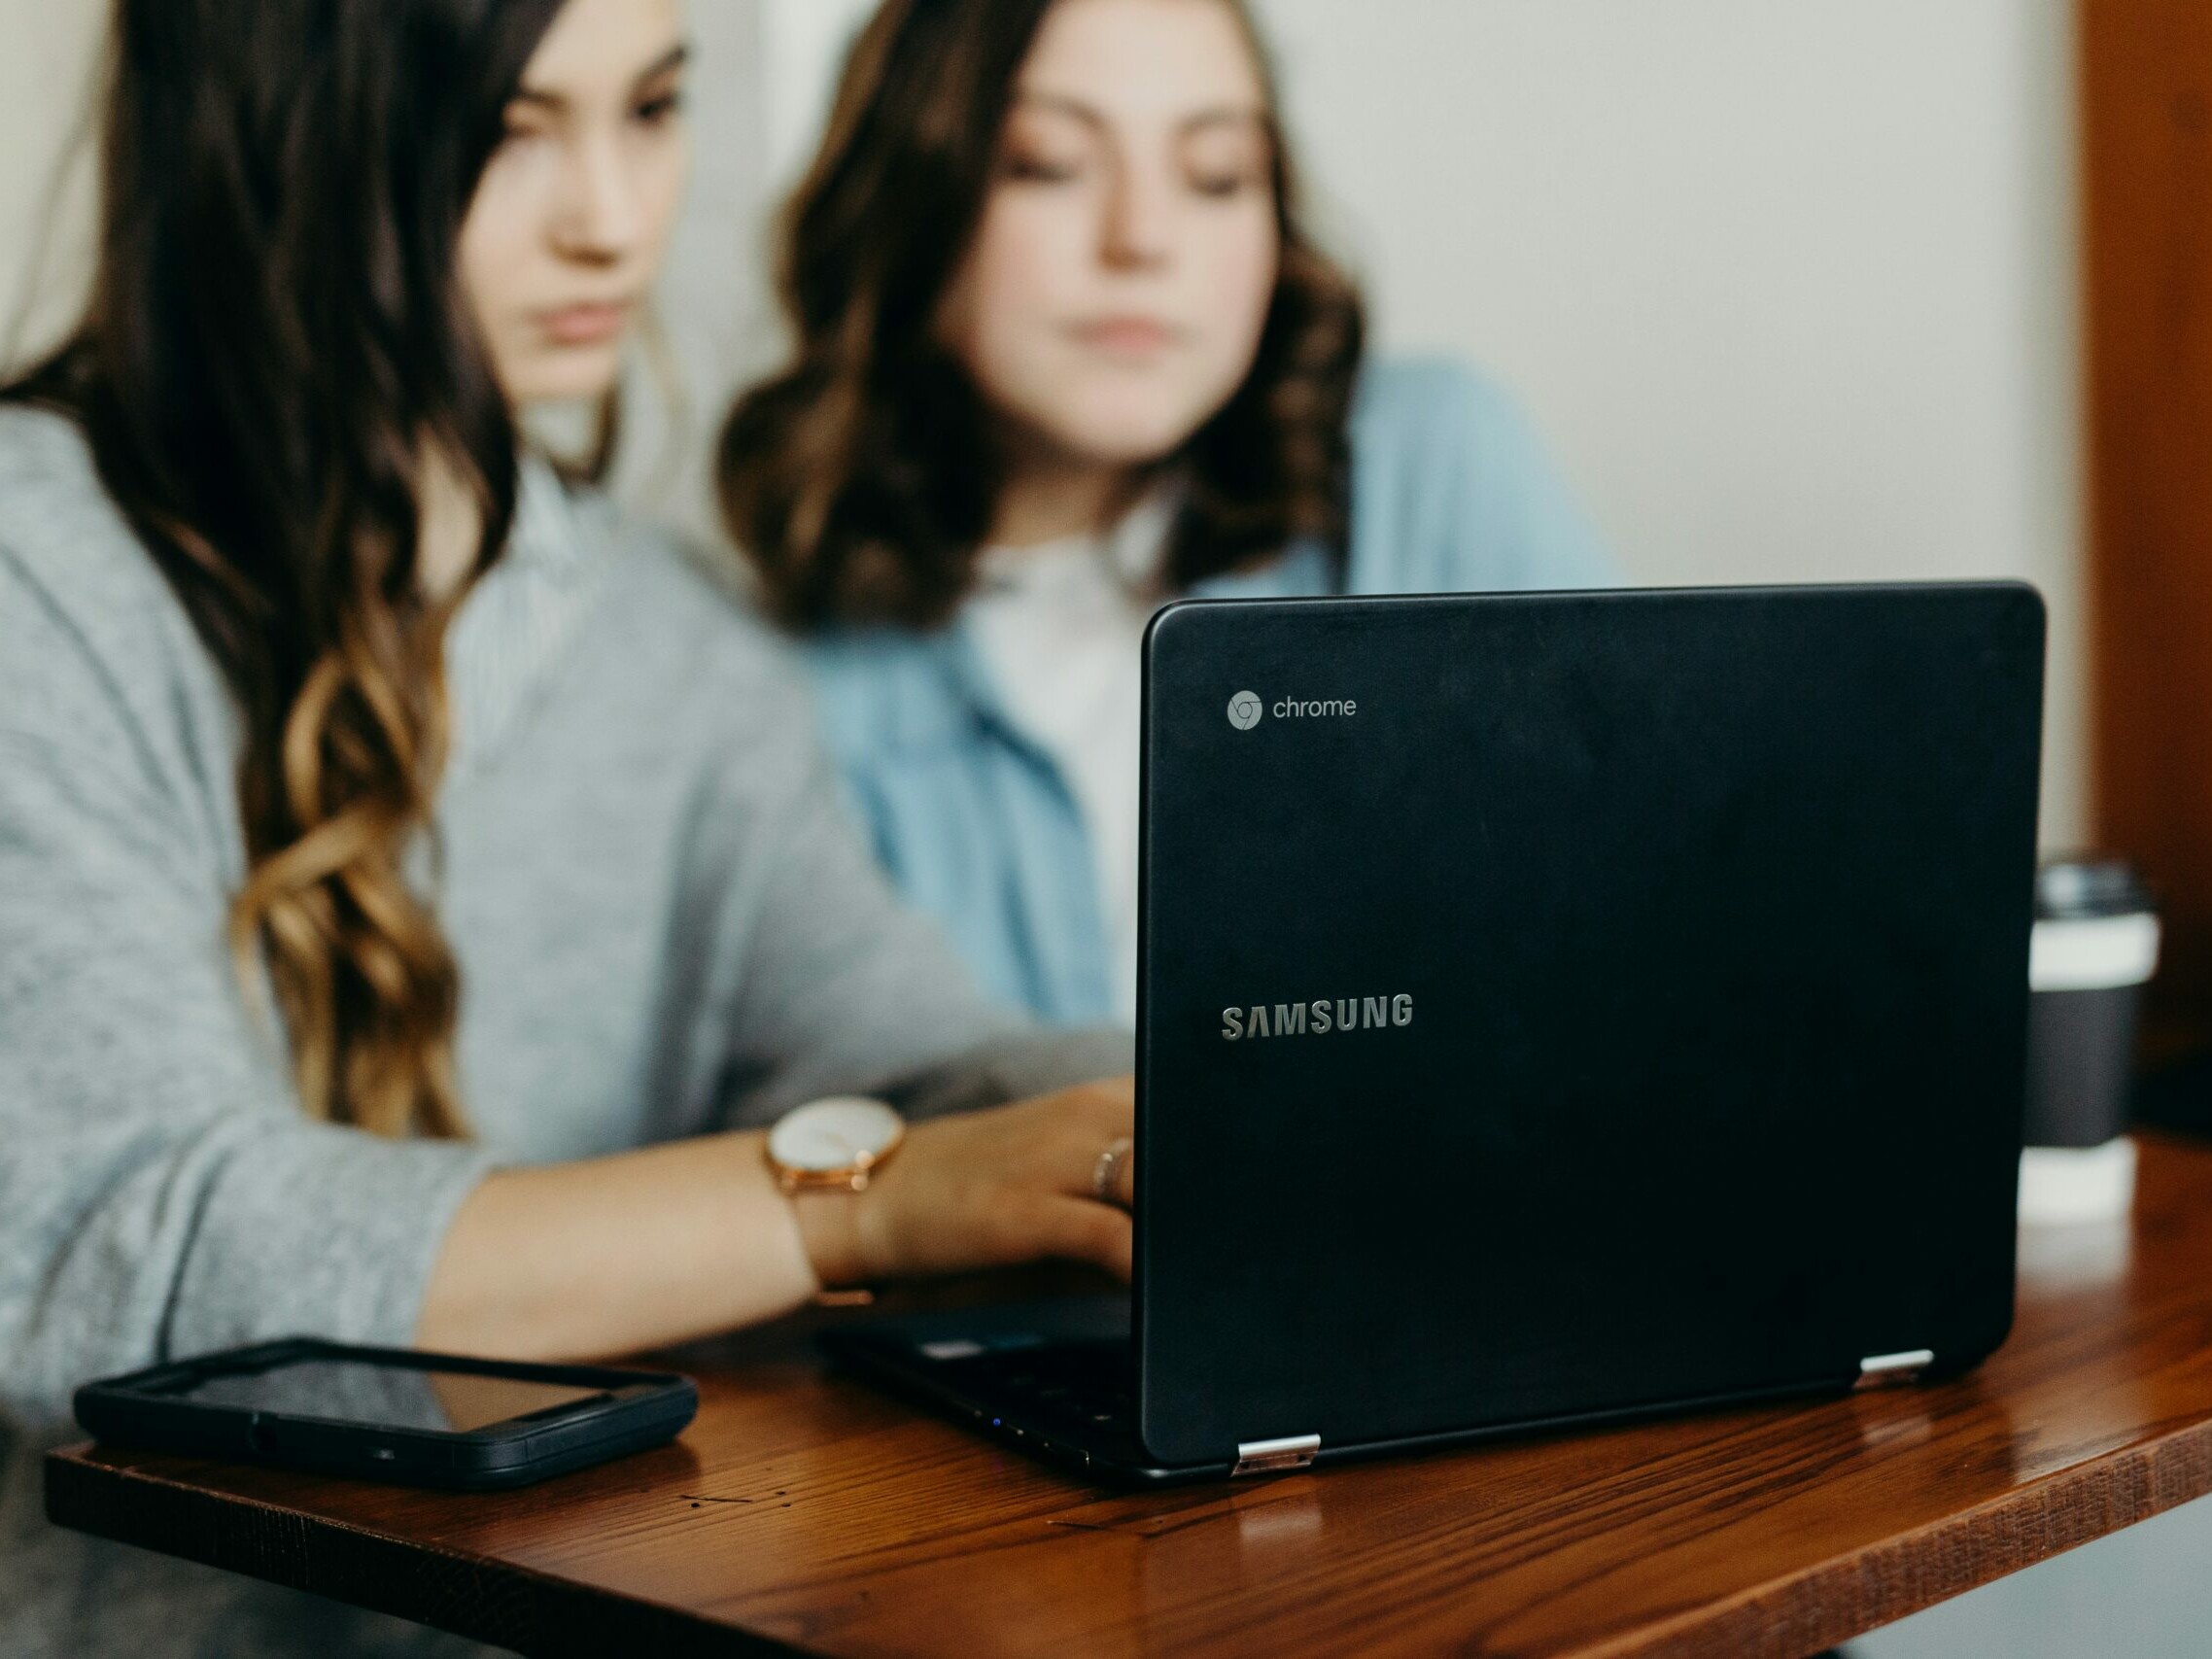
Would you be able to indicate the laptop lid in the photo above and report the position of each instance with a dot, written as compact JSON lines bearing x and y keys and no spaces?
{"x":1560,"y":1004}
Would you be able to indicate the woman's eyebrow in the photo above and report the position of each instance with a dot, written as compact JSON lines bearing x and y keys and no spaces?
{"x":670,"y":60}
{"x":1061,"y":104}
{"x":1225,"y":115}
{"x":1213,"y":114}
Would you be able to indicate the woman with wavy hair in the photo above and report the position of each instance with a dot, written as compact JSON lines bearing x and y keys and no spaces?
{"x":394,"y":838}
{"x":1065,"y":350}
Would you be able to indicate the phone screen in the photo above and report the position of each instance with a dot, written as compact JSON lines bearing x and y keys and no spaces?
{"x":388,"y":1397}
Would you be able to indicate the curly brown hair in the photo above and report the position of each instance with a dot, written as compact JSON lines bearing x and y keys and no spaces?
{"x":860,"y":481}
{"x":276,"y":334}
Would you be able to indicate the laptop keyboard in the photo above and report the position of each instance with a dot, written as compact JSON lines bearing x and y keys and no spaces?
{"x":1085,"y":1385}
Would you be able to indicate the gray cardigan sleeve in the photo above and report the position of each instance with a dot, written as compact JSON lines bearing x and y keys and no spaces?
{"x":160,"y":1192}
{"x":847,"y":990}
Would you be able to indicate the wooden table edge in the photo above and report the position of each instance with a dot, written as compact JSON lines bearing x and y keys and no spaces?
{"x":471,"y":1596}
{"x":2161,"y":1473}
{"x":1827,"y":1603}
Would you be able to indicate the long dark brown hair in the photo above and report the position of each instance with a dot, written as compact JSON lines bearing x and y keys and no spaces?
{"x":860,"y":481}
{"x":275,"y":342}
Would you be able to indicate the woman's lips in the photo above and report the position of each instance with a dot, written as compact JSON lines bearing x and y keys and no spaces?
{"x":1127,"y":335}
{"x":587,"y":325}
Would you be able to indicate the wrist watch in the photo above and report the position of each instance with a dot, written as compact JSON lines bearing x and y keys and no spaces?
{"x":833,"y":1146}
{"x":828,"y":1147}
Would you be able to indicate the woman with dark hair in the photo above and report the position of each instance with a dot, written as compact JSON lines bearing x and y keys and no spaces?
{"x":394,"y":838}
{"x":1065,"y":350}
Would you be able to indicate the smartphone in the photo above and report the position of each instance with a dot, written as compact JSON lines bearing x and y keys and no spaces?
{"x":392,"y":1414}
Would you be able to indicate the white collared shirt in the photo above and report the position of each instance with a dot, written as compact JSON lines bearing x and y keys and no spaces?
{"x":1062,"y":625}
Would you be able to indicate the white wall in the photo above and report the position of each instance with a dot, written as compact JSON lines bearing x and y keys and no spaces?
{"x":1790,"y":287}
{"x":47,"y":79}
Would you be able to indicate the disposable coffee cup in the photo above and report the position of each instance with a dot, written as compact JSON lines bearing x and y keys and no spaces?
{"x":2095,"y":947}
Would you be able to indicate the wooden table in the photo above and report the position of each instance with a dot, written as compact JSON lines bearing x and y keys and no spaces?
{"x":804,"y":1511}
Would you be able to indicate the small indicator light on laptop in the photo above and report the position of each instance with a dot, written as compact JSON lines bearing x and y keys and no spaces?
{"x":952,"y":1348}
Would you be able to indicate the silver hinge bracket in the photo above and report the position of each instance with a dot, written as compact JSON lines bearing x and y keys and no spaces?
{"x":1275,"y":1457}
{"x":1881,"y":1370}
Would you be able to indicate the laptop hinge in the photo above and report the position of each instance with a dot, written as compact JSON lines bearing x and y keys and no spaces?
{"x":1275,"y":1457}
{"x":1881,"y":1370}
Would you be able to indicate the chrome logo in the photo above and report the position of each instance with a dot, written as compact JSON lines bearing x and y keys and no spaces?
{"x":1244,"y":711}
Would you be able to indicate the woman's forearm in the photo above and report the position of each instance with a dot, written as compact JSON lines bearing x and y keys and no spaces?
{"x":612,"y":1254}
{"x":645,"y":1249}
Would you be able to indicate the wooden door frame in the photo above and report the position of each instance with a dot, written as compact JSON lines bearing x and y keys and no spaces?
{"x":2145,"y":100}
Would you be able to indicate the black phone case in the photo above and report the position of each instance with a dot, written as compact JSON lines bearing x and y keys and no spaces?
{"x":137,"y":1410}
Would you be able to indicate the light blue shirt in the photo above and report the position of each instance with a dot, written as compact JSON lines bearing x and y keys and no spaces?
{"x":1451,"y":491}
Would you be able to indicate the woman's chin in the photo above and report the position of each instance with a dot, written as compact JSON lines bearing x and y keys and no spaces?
{"x":1128,"y":436}
{"x":564,"y":375}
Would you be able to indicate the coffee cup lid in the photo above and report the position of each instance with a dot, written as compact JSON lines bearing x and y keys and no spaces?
{"x":2072,"y":887}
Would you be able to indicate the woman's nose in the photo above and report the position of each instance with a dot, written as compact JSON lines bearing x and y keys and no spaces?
{"x":599,"y":215}
{"x":1137,"y":231}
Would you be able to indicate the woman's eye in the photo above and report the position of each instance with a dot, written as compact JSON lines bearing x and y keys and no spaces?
{"x":1226,"y":164}
{"x":518,"y":126}
{"x":655,"y":111}
{"x":1040,"y":169}
{"x":1219,"y":184}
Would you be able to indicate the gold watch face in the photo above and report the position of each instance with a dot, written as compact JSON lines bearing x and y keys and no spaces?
{"x":834,"y":1137}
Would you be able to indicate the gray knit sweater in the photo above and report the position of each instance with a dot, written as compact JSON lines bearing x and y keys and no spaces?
{"x":664,"y":920}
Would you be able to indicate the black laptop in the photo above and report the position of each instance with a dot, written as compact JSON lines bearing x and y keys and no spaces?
{"x":1553,"y":1009}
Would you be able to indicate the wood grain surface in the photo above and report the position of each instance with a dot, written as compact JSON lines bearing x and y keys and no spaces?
{"x":805,"y":1511}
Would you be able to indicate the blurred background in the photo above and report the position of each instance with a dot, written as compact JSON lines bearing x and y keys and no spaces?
{"x":1791,"y":288}
{"x":1838,"y":290}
